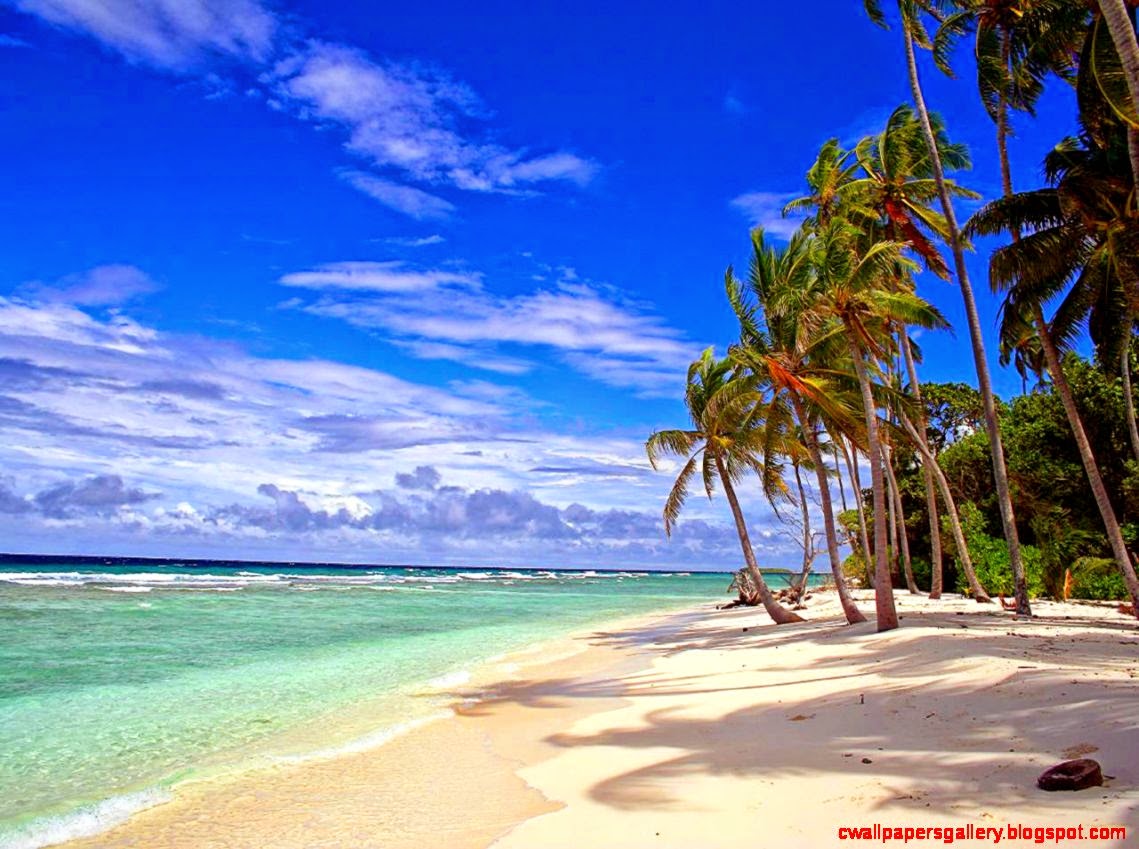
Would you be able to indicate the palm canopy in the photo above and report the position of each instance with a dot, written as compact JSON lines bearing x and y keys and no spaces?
{"x":852,"y":272}
{"x":727,"y":431}
{"x":886,"y":185}
{"x":899,"y":188}
{"x":1017,"y":45}
{"x":1079,"y":243}
{"x":796,"y":363}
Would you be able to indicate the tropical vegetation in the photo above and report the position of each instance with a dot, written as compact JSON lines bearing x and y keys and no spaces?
{"x":1038,"y":496}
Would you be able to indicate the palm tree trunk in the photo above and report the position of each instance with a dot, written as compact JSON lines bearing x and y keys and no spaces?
{"x":936,"y":569}
{"x":900,"y":520}
{"x":805,"y":512}
{"x":775,"y":610}
{"x":883,"y":588}
{"x":1118,"y":21}
{"x":1129,"y":400}
{"x":1099,"y":491}
{"x":891,"y":525}
{"x":811,"y":437}
{"x":838,"y":474}
{"x":975,"y":587}
{"x":863,"y":533}
{"x":992,"y":425}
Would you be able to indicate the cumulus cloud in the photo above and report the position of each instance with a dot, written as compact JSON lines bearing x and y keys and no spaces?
{"x":99,"y":494}
{"x":424,"y":477}
{"x":765,"y":209}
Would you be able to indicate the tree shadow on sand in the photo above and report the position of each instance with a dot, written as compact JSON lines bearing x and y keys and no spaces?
{"x":943,"y":753}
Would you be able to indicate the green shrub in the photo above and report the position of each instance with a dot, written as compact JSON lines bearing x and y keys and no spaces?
{"x":1097,"y":578}
{"x":990,"y":556}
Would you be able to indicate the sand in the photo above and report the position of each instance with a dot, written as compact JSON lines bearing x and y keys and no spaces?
{"x":717,"y":729}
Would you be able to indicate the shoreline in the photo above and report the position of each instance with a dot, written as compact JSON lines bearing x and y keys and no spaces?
{"x":684,"y":729}
{"x":164,"y":817}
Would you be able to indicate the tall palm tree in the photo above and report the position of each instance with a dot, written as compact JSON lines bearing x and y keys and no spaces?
{"x":914,"y":32}
{"x":854,"y":275}
{"x":1119,"y":24}
{"x":725,"y":443}
{"x":1082,"y":235}
{"x":898,"y":190}
{"x":791,"y":364}
{"x":1017,"y":45}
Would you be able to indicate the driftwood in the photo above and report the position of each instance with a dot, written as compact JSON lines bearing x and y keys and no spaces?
{"x":748,"y":594}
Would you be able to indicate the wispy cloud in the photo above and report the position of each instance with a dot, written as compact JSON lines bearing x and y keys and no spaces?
{"x":127,"y":438}
{"x":177,"y":35}
{"x":11,"y":41}
{"x":409,"y":200}
{"x":765,"y":209}
{"x":392,"y":276}
{"x":104,"y":285}
{"x":413,"y":123}
{"x":593,"y":329}
{"x":414,"y":241}
{"x":405,"y":118}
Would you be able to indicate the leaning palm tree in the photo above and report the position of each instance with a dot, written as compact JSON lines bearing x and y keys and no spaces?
{"x":855,"y":277}
{"x":1083,"y":236}
{"x":725,"y":444}
{"x":915,"y":33}
{"x":792,"y":364}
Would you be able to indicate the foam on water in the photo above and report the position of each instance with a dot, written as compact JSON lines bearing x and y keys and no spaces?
{"x":84,"y":822}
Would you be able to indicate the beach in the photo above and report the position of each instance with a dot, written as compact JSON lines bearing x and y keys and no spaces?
{"x":717,"y":729}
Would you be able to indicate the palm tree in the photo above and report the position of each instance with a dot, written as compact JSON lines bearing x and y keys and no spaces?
{"x":853,"y":275}
{"x":726,"y":442}
{"x":1083,"y":234}
{"x":913,"y":31}
{"x":1017,"y":44}
{"x":898,"y":190}
{"x":1118,"y":21}
{"x":786,"y":361}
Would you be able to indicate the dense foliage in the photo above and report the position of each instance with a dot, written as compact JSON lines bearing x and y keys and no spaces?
{"x":1038,"y":496}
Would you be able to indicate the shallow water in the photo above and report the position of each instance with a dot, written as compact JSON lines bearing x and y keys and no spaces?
{"x":117,"y":682}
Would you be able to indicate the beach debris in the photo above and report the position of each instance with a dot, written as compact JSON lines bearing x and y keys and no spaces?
{"x":1078,"y":774}
{"x":799,"y":717}
{"x":867,"y":761}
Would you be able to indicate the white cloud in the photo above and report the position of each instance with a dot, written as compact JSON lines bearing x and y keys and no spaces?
{"x":409,"y":200}
{"x":765,"y":209}
{"x":131,"y":440}
{"x":414,"y":241}
{"x":171,"y":34}
{"x":592,"y":328}
{"x":469,"y":356}
{"x":406,"y":118}
{"x":104,"y":285}
{"x":392,"y":276}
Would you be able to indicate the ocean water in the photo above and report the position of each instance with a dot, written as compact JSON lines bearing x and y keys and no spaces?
{"x":116,"y":682}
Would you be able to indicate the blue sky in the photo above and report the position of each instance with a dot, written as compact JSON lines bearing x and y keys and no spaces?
{"x":324,"y":281}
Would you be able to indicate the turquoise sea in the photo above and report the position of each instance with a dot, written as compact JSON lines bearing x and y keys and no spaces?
{"x":118,"y":681}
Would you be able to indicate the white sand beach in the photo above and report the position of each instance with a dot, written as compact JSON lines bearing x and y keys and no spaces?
{"x":717,"y":729}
